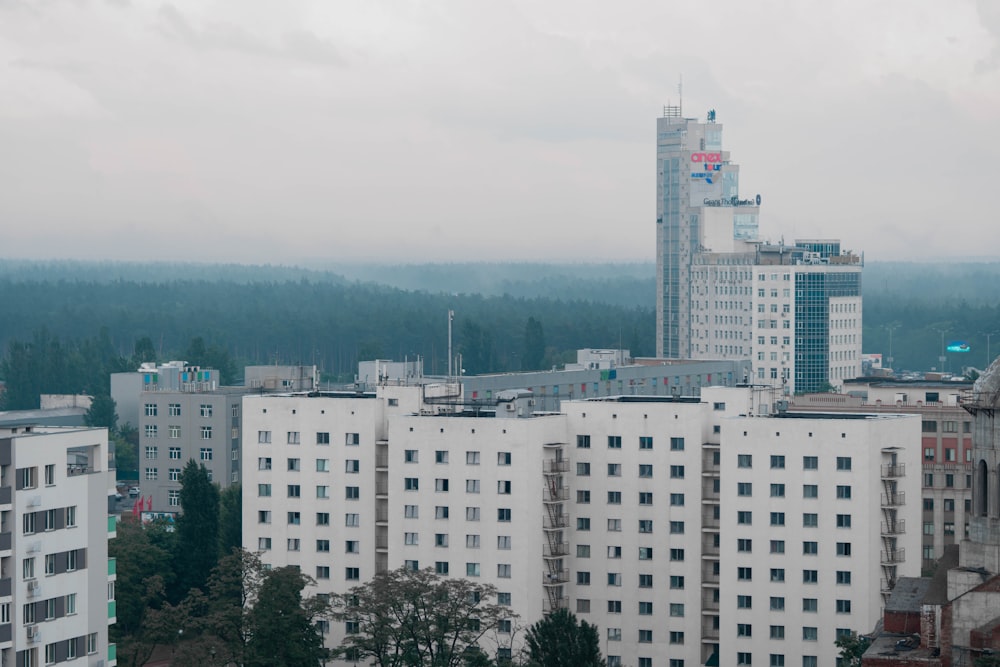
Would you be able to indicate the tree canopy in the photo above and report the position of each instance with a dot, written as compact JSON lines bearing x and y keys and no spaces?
{"x":561,"y":640}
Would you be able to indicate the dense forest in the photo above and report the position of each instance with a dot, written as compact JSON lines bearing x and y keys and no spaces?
{"x":68,"y":324}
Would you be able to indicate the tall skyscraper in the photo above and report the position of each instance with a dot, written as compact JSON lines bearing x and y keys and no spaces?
{"x":793,"y":310}
{"x":698,"y":209}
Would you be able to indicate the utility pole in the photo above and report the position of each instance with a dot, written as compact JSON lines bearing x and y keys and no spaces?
{"x":451,"y":316}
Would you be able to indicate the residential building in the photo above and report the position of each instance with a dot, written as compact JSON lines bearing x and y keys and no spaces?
{"x":688,"y":529}
{"x":57,"y":584}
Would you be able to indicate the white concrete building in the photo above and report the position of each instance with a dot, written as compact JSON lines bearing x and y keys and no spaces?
{"x":684,"y":528}
{"x":57,"y":595}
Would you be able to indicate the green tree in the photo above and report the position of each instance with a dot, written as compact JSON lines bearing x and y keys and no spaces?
{"x":101,"y":413}
{"x":409,"y":618}
{"x":283,"y":630}
{"x":561,"y":640}
{"x":212,"y":356}
{"x":852,"y":646}
{"x":143,"y":351}
{"x":477,"y":348}
{"x":197,"y":529}
{"x":144,"y":570}
{"x":534,"y":345}
{"x":230,"y":519}
{"x":126,"y":441}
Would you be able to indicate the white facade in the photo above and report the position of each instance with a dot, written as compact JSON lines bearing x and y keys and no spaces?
{"x":626,"y":510}
{"x":57,"y":585}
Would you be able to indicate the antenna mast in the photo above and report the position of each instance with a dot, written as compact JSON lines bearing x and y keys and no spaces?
{"x":680,"y":93}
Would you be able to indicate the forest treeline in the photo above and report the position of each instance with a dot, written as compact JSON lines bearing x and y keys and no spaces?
{"x":68,"y":324}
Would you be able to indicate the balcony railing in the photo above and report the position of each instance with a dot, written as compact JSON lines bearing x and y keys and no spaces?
{"x":554,"y":604}
{"x":555,"y":550}
{"x":552,"y":522}
{"x":893,"y":556}
{"x":112,"y":566}
{"x":112,"y":610}
{"x":112,"y":526}
{"x":893,"y":499}
{"x":555,"y":577}
{"x":381,"y":460}
{"x":556,"y":495}
{"x":893,"y":470}
{"x":551,"y":466}
{"x":897,"y":527}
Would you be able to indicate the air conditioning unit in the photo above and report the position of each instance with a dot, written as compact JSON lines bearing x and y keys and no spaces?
{"x":34,"y":634}
{"x":34,"y":501}
{"x":34,"y":547}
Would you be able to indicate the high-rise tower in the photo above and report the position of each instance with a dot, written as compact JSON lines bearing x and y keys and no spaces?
{"x":698,"y":209}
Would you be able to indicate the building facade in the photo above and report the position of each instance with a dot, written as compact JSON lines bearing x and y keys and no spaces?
{"x":57,"y":584}
{"x":687,"y":529}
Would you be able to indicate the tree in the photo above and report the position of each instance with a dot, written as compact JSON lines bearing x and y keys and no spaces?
{"x":534,"y":345}
{"x":407,"y":618}
{"x":197,"y":529}
{"x":101,"y":413}
{"x":852,"y":646}
{"x":561,"y":640}
{"x":230,"y":519}
{"x":126,"y":441}
{"x":143,"y":351}
{"x":282,"y":625}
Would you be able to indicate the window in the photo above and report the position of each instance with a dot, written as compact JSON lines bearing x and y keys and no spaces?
{"x":472,"y":514}
{"x":744,"y":488}
{"x":645,"y":442}
{"x":677,"y":555}
{"x":645,"y":553}
{"x":441,"y":484}
{"x":472,"y":458}
{"x":744,"y":461}
{"x":810,"y":491}
{"x":676,"y":609}
{"x":503,"y":514}
{"x":744,"y":545}
{"x":583,"y":551}
{"x":744,"y":630}
{"x":472,"y":541}
{"x":71,"y":560}
{"x":206,"y":410}
{"x":843,"y":463}
{"x":645,"y":470}
{"x":843,"y":548}
{"x":645,"y":581}
{"x":352,"y":573}
{"x":441,"y":456}
{"x":352,"y":466}
{"x":843,"y":578}
{"x":843,"y":606}
{"x":614,"y":470}
{"x":206,"y":432}
{"x":744,"y":602}
{"x":322,"y":518}
{"x":294,"y":491}
{"x":582,"y":523}
{"x":810,"y":462}
{"x":645,"y":525}
{"x":472,"y":569}
{"x":844,"y":492}
{"x":614,"y":497}
{"x":174,"y":497}
{"x":843,"y":521}
{"x":583,"y":469}
{"x":928,"y":426}
{"x":152,"y":473}
{"x":777,"y":575}
{"x":411,"y":539}
{"x":777,"y":490}
{"x":150,"y":430}
{"x":810,"y":605}
{"x":583,"y":497}
{"x":810,"y":576}
{"x":646,"y":498}
{"x":206,"y":453}
{"x":777,"y":461}
{"x":503,"y":487}
{"x":777,"y":659}
{"x":645,"y":608}
{"x":646,"y":637}
{"x":411,"y":483}
{"x":614,"y":525}
{"x":676,"y":499}
{"x":322,"y":438}
{"x":744,"y":517}
{"x":676,"y":528}
{"x":676,"y":472}
{"x":28,"y":524}
{"x":322,"y":491}
{"x":264,"y":516}
{"x":676,"y":444}
{"x":441,"y":567}
{"x":614,"y":634}
{"x":744,"y":574}
{"x":263,"y":490}
{"x":777,"y":518}
{"x":174,"y":409}
{"x":810,"y":548}
{"x":352,"y":492}
{"x":810,"y":520}
{"x":777,"y":603}
{"x":583,"y":442}
{"x":614,"y":442}
{"x":676,"y":582}
{"x":440,"y":511}
{"x":294,"y":518}
{"x":322,"y":571}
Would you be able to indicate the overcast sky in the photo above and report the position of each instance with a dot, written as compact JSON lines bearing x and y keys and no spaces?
{"x":258,"y":131}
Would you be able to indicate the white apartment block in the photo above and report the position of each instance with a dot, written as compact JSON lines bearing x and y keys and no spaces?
{"x":57,"y":583}
{"x":686,"y":529}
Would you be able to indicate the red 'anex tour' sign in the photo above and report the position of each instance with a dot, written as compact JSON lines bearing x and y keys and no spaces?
{"x":706,"y":157}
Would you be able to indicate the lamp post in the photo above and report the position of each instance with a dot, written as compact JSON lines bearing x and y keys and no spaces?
{"x":891,"y":329}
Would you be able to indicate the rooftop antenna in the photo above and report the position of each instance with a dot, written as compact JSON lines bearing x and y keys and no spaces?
{"x":451,"y":316}
{"x":680,"y":93}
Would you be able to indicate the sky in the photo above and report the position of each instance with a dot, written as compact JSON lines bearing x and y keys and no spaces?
{"x":259,"y":131}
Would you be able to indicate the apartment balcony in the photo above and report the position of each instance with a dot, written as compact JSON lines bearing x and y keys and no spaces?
{"x":708,"y":519}
{"x":886,"y":585}
{"x":553,"y":466}
{"x":708,"y":546}
{"x":112,"y":655}
{"x":112,"y":528}
{"x":6,"y":493}
{"x":112,"y":611}
{"x":555,"y":550}
{"x":708,"y":490}
{"x":381,"y":461}
{"x":6,"y":633}
{"x":112,"y":566}
{"x":555,"y":577}
{"x":708,"y":464}
{"x":709,"y":574}
{"x":891,"y":470}
{"x":382,"y":489}
{"x":559,"y":494}
{"x":893,"y":499}
{"x":708,"y":630}
{"x":552,"y":604}
{"x":381,"y":542}
{"x":555,"y":521}
{"x":893,"y":556}
{"x":6,"y":587}
{"x":709,"y":600}
{"x":5,"y":541}
{"x":897,"y":527}
{"x":381,"y":516}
